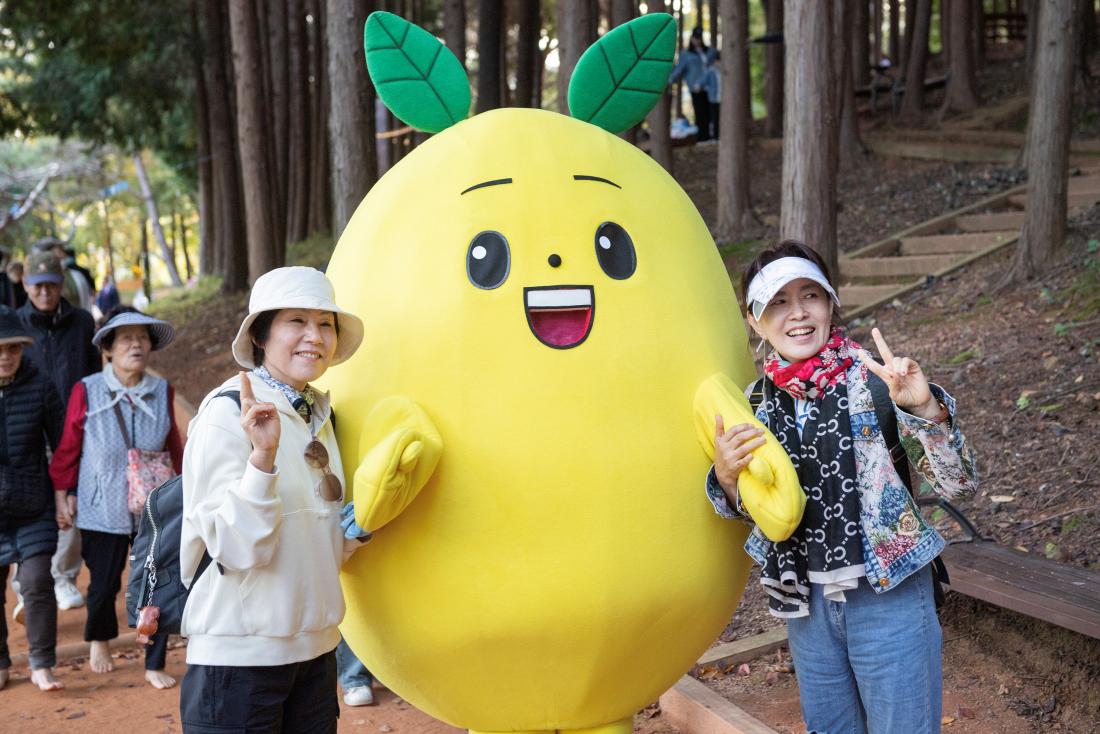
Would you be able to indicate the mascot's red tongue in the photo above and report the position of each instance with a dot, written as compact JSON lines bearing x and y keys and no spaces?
{"x":560,"y":327}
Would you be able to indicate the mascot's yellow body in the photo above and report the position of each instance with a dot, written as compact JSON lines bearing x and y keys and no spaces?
{"x":561,"y":567}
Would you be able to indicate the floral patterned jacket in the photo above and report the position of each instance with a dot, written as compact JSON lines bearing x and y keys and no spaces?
{"x":896,"y":539}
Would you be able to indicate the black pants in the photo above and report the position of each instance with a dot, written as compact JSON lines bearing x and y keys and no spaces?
{"x":105,"y":555}
{"x":299,"y":698}
{"x":701,"y":104}
{"x":715,"y":116}
{"x":39,"y":612}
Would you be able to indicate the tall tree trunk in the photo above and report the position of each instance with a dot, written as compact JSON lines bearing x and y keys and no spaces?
{"x":574,"y":24}
{"x":298,"y":136}
{"x":107,"y":244}
{"x":860,"y":34}
{"x":895,"y":33}
{"x":454,"y":28}
{"x":961,"y":95}
{"x":715,"y":15}
{"x":876,"y":32}
{"x":527,"y":52}
{"x":734,"y":205}
{"x":146,"y":274}
{"x":808,"y":206}
{"x":623,"y":11}
{"x":320,"y":191}
{"x":850,"y":148}
{"x":773,"y":71}
{"x":151,"y":209}
{"x":1032,"y":33}
{"x":206,"y":205}
{"x":945,"y":30}
{"x":977,"y":14}
{"x":1085,"y":43}
{"x":1044,"y":229}
{"x":488,"y":54}
{"x":188,"y":270}
{"x":911,"y":9}
{"x":279,"y":76}
{"x":232,"y":257}
{"x":263,"y":255}
{"x":912,"y":103}
{"x":351,"y":112}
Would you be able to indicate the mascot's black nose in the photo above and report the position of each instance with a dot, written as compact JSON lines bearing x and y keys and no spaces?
{"x":554,"y":260}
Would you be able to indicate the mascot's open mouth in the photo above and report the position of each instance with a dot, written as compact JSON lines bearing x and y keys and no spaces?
{"x":560,"y":316}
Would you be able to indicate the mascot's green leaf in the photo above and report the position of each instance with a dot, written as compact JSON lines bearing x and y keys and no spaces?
{"x":620,"y":77}
{"x":417,"y":77}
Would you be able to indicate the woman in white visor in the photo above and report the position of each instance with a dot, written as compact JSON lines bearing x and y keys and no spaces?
{"x":855,"y":581}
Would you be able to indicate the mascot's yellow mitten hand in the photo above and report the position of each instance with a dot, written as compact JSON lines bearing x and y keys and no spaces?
{"x":769,"y":486}
{"x":400,"y":447}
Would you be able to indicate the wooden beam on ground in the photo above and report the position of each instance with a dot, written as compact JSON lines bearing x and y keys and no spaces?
{"x":950,"y":243}
{"x":1058,"y":593}
{"x":997,"y":221}
{"x":893,"y":267}
{"x":742,"y":651}
{"x":941,"y":151}
{"x":856,"y":296}
{"x":1076,"y":200}
{"x":693,"y":708}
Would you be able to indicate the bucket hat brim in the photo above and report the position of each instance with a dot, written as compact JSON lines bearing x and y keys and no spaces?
{"x":161,"y":333}
{"x":297,"y":287}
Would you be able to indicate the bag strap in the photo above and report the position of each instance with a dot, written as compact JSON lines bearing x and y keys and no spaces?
{"x":756,"y":394}
{"x":122,"y":424}
{"x":888,"y":425}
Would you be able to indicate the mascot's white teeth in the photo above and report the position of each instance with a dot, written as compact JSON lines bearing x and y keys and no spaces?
{"x":560,"y":316}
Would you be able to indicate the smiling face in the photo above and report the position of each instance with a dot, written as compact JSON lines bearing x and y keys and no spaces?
{"x":300,"y":345}
{"x":11,"y":355}
{"x":796,"y":320}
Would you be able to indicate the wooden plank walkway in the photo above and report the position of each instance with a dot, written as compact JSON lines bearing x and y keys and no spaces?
{"x":887,"y":269}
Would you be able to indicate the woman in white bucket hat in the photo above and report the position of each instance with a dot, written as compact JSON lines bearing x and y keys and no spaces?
{"x":263,"y":494}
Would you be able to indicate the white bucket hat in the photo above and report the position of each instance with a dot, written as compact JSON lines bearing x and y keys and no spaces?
{"x":296,"y":287}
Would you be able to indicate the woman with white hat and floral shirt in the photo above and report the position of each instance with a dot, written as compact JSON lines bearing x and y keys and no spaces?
{"x":264,"y":493}
{"x":854,"y":581}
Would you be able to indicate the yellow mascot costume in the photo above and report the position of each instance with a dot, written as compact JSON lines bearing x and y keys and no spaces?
{"x":549,"y":335}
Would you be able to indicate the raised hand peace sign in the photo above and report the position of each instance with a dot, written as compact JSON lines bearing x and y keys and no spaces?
{"x":260,"y":422}
{"x":904,"y":377}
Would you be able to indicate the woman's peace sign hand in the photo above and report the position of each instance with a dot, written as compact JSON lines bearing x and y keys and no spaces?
{"x":260,"y":422}
{"x":904,"y":377}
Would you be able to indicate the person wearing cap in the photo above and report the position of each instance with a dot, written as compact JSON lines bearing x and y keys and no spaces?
{"x":692,"y":68}
{"x":853,"y":582}
{"x":89,"y":468}
{"x":263,"y":494}
{"x":63,"y":350}
{"x":78,"y":286}
{"x":30,"y":424}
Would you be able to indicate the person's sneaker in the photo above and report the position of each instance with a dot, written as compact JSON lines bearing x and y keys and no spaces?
{"x":17,"y":611}
{"x":68,"y":596}
{"x":359,"y":696}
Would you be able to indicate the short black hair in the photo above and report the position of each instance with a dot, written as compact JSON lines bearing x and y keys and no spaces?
{"x":786,"y":248}
{"x":260,"y":329}
{"x":108,"y":339}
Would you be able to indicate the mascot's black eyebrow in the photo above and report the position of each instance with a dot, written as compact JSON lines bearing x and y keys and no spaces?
{"x":582,"y":177}
{"x":483,"y":184}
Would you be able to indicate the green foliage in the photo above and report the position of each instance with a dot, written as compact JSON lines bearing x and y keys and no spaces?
{"x":1061,"y":330}
{"x":1023,"y":402}
{"x":1069,"y":524}
{"x":180,"y":305}
{"x":417,"y":77}
{"x":966,"y":356}
{"x":621,"y":76}
{"x":313,"y":252}
{"x":1051,"y":550}
{"x":1092,"y":246}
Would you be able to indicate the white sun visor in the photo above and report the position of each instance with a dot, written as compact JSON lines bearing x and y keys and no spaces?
{"x":776,"y":274}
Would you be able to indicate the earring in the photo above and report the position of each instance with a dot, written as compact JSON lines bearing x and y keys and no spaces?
{"x":760,"y":345}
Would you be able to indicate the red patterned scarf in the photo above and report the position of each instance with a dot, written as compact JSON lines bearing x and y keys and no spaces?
{"x":807,"y":379}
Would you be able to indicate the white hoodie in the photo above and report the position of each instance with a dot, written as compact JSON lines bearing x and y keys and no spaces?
{"x":279,"y":543}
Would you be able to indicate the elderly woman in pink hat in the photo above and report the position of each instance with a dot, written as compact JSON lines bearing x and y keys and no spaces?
{"x":264,"y":498}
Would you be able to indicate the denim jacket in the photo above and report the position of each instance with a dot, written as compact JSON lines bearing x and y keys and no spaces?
{"x":896,"y":539}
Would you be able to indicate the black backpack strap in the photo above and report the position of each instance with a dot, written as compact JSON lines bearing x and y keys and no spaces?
{"x":756,"y":394}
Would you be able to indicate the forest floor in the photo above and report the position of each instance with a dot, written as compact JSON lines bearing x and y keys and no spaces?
{"x":1024,"y":363}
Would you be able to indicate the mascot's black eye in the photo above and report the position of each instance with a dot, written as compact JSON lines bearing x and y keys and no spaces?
{"x":615,"y":251}
{"x":487,"y":260}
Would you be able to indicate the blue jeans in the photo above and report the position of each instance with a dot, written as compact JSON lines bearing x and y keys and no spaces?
{"x":871,"y":663}
{"x":349,"y":671}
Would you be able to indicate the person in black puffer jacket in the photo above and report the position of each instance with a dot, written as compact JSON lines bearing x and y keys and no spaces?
{"x":31,"y":416}
{"x":63,"y":350}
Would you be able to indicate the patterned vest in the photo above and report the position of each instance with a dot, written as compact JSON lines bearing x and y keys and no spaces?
{"x":102,"y":489}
